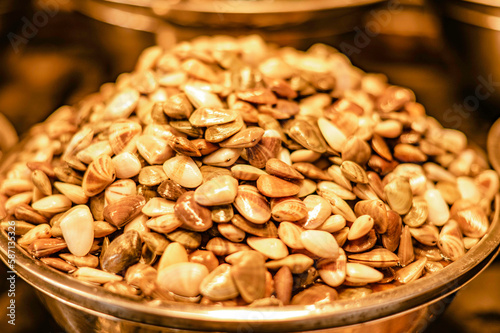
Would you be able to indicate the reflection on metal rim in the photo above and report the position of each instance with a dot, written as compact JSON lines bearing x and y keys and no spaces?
{"x":492,"y":3}
{"x":473,"y":17}
{"x":246,"y":7}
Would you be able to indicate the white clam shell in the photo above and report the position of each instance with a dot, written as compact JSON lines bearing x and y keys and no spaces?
{"x":51,"y":204}
{"x":320,"y":243}
{"x":359,"y":273}
{"x":119,"y":189}
{"x":122,"y":104}
{"x":126,"y":165}
{"x":220,"y":190}
{"x":74,"y":192}
{"x":77,"y":226}
{"x":200,"y":97}
{"x":273,"y":248}
{"x":332,"y":134}
{"x":439,"y":211}
{"x":183,"y":170}
{"x":183,"y":278}
{"x":158,"y":206}
{"x":223,"y":157}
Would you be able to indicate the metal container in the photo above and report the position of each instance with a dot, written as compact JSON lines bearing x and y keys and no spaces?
{"x":472,"y":28}
{"x":81,"y":307}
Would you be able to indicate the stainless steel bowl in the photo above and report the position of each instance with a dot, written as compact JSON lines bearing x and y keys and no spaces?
{"x":472,"y":29}
{"x":80,"y":307}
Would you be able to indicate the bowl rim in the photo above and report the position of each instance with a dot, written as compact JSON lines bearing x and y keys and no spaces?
{"x":246,"y":7}
{"x":266,"y":319}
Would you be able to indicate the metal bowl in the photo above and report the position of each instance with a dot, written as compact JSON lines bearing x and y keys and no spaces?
{"x":80,"y":307}
{"x":472,"y":29}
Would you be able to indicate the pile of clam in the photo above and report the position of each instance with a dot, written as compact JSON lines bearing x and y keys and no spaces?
{"x":227,"y":171}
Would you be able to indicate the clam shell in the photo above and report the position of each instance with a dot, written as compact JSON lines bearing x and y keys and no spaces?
{"x":399,"y":195}
{"x":362,"y":274}
{"x":184,"y":146}
{"x":38,"y":232}
{"x":124,"y":210}
{"x":318,"y":294}
{"x":354,"y":172}
{"x":174,"y":253}
{"x":320,"y":243}
{"x":153,"y":149}
{"x":362,"y":244}
{"x":51,"y":204}
{"x":333,"y":272}
{"x":318,"y":210}
{"x":267,"y":148}
{"x":126,"y":165}
{"x":377,"y":210}
{"x":165,"y":223}
{"x":178,"y":107}
{"x":152,"y":175}
{"x":311,"y":171}
{"x":122,"y":104}
{"x":257,"y":96}
{"x":298,"y":263}
{"x":183,"y":170}
{"x":182,"y":278}
{"x":325,"y":186}
{"x":191,"y":214}
{"x":74,"y":192}
{"x":26,"y":213}
{"x":100,"y":173}
{"x":210,"y":116}
{"x":283,"y":281}
{"x":333,"y":224}
{"x":123,"y":136}
{"x":280,"y":169}
{"x":158,"y":206}
{"x":332,"y":134}
{"x":222,"y":157}
{"x":439,"y":212}
{"x":204,"y":257}
{"x":39,"y":179}
{"x":246,"y":172}
{"x":221,"y":190}
{"x":405,"y":251}
{"x":245,"y":138}
{"x":272,"y":248}
{"x":380,"y":258}
{"x":219,"y":285}
{"x":411,"y":272}
{"x":78,"y":230}
{"x":249,"y":276}
{"x":290,"y":233}
{"x":252,"y":205}
{"x":170,"y":190}
{"x":188,"y":239}
{"x":306,"y":135}
{"x":360,"y":227}
{"x":275,"y":187}
{"x":199,"y":97}
{"x":427,"y":234}
{"x":231,"y":232}
{"x":267,"y":229}
{"x":119,"y":189}
{"x":288,"y":209}
{"x":472,"y":221}
{"x":222,"y":214}
{"x":356,"y":150}
{"x":222,"y":247}
{"x":94,"y":275}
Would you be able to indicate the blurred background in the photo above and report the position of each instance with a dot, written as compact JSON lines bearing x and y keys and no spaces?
{"x":54,"y":52}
